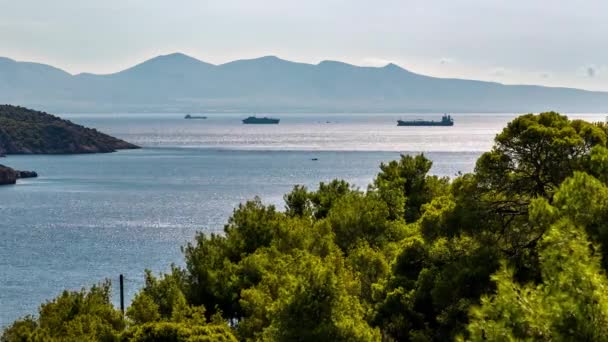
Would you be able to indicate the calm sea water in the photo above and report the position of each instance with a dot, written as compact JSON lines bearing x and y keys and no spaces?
{"x":91,"y":217}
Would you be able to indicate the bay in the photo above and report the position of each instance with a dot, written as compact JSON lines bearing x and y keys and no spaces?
{"x":91,"y":217}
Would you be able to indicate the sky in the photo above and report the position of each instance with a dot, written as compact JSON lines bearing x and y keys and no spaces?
{"x":546,"y":42}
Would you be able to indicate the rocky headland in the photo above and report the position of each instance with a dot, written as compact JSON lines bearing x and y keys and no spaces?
{"x":26,"y":131}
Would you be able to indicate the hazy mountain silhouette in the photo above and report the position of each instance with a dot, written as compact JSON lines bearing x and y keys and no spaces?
{"x":179,"y":83}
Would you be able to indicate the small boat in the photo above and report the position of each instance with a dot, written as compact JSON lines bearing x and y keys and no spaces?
{"x":194,"y":117}
{"x":264,"y":120}
{"x":446,"y":120}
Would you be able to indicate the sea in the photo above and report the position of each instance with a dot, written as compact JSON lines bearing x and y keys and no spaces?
{"x":92,"y":217}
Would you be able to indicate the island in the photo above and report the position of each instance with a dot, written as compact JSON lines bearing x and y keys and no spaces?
{"x":26,"y":131}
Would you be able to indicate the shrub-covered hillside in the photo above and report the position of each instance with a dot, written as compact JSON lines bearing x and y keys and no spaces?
{"x":25,"y":131}
{"x":516,"y":250}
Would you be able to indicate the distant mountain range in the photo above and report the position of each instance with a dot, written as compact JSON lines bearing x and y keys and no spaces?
{"x":179,"y":83}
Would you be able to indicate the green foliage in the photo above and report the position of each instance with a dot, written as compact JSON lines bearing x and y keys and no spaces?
{"x":405,"y":186}
{"x":327,"y":195}
{"x":571,"y":304}
{"x":297,"y":202}
{"x":535,"y":153}
{"x":370,"y":266}
{"x":178,"y":332}
{"x":208,"y":273}
{"x":143,"y":309}
{"x":72,"y":316}
{"x":532,"y":156}
{"x":250,"y":227}
{"x":584,"y":200}
{"x":305,"y":298}
{"x":163,"y":299}
{"x":514,"y":251}
{"x":356,"y":218}
{"x":431,"y":287}
{"x":597,"y":163}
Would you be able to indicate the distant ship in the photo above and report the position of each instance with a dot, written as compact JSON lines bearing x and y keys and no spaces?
{"x":264,"y":120}
{"x":194,"y":117}
{"x":446,"y":120}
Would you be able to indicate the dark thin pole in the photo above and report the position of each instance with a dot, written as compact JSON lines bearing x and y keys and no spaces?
{"x":122,"y":295}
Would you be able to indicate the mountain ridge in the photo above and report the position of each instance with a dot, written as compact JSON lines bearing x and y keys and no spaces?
{"x":177,"y":82}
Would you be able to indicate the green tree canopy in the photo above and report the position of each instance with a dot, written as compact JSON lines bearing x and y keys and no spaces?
{"x":86,"y":315}
{"x":515,"y":250}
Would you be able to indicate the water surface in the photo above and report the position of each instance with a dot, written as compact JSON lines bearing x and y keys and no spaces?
{"x":91,"y":217}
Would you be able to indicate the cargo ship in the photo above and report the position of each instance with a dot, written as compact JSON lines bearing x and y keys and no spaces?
{"x":194,"y":117}
{"x":264,"y":120}
{"x":446,"y":120}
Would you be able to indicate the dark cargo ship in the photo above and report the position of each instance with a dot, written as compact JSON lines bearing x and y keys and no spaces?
{"x":446,"y":120}
{"x":194,"y":117}
{"x":264,"y":120}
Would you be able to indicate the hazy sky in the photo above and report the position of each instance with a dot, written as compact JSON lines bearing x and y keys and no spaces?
{"x":551,"y":42}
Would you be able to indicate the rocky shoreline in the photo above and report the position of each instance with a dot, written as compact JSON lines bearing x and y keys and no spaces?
{"x":9,"y":176}
{"x":26,"y":131}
